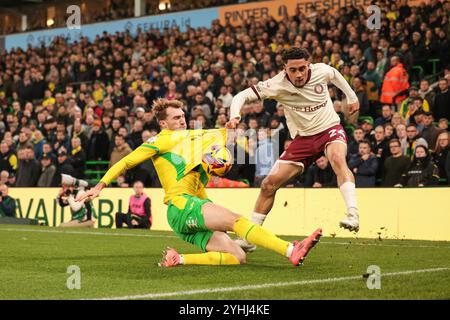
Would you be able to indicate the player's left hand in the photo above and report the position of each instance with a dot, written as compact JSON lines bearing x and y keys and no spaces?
{"x":353,"y":107}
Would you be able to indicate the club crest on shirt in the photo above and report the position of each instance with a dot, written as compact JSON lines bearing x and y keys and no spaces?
{"x":152,"y":139}
{"x":318,"y":88}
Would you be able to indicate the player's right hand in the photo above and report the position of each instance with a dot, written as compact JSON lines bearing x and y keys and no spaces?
{"x":353,"y":107}
{"x":232,"y":124}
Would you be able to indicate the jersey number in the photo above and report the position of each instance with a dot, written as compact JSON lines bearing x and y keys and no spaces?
{"x":334,"y":132}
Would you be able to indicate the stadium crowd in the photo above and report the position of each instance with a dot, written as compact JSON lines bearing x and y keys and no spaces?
{"x":67,"y":104}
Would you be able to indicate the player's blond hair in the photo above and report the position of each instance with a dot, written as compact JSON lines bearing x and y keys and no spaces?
{"x":160,"y":106}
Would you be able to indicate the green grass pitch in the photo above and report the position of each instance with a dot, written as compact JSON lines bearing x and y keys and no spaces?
{"x":123,"y":264}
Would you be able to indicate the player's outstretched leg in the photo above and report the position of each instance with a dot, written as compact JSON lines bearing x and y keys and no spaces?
{"x":218,"y":218}
{"x":221,"y":251}
{"x":279,"y":175}
{"x":336,"y":153}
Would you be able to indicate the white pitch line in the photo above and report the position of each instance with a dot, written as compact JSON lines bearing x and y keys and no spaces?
{"x":264,"y":285}
{"x":169,"y":236}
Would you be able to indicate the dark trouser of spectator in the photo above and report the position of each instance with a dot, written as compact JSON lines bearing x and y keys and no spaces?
{"x":127,"y":218}
{"x":375,"y":109}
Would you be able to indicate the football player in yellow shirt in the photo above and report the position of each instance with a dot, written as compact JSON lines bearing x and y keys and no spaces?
{"x":176,"y":154}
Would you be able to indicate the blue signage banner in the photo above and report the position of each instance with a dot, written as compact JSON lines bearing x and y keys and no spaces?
{"x":194,"y":19}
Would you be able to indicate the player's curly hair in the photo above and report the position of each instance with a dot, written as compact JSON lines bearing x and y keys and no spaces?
{"x":160,"y":106}
{"x":295,"y":53}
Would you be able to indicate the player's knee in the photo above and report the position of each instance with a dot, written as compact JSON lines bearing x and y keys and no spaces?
{"x":268,"y":186}
{"x":338,"y":160}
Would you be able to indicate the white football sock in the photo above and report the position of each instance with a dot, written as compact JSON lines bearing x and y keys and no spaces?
{"x":289,"y":250}
{"x":181,"y":259}
{"x":258,"y":218}
{"x":348,"y":192}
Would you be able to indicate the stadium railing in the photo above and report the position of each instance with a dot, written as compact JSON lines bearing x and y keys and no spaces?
{"x":95,"y":170}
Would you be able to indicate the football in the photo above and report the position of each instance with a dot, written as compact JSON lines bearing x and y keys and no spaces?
{"x":218,"y":161}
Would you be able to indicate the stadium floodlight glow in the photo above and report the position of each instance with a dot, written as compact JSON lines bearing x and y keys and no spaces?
{"x":50,"y":22}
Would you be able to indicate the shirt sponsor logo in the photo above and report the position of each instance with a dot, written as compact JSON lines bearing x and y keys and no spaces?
{"x":308,"y":109}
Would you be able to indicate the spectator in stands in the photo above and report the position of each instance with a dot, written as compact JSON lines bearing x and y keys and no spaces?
{"x":442,"y":101}
{"x":397,"y":119}
{"x":47,"y":173}
{"x":353,"y":145}
{"x":360,"y":91}
{"x":413,"y":103}
{"x":395,"y":83}
{"x":264,"y":157}
{"x":364,"y":166}
{"x":48,"y":150}
{"x":63,"y":166}
{"x":139,"y":213}
{"x":367,"y":127}
{"x":389,"y":132}
{"x":373,"y":83}
{"x":4,"y":177}
{"x":413,"y":140}
{"x":24,"y":140}
{"x":7,"y":204}
{"x":380,"y":146}
{"x":395,"y":165}
{"x":417,"y":117}
{"x":98,"y":143}
{"x":427,"y":93}
{"x":61,"y":140}
{"x":440,"y":154}
{"x":443,"y":124}
{"x":323,"y":176}
{"x":400,"y":131}
{"x":430,"y":132}
{"x":225,"y":96}
{"x":386,"y":116}
{"x":261,"y":115}
{"x":77,"y":158}
{"x":38,"y":141}
{"x":78,"y":130}
{"x":121,"y":150}
{"x":28,"y":169}
{"x":136,"y":133}
{"x":421,"y":172}
{"x":8,"y":159}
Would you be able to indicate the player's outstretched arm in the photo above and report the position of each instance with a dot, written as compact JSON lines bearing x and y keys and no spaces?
{"x":142,"y":153}
{"x":243,"y":97}
{"x":339,"y":81}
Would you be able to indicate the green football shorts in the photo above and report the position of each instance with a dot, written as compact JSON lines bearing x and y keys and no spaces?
{"x":184,"y":214}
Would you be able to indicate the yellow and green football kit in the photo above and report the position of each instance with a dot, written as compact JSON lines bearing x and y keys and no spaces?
{"x":177,"y":157}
